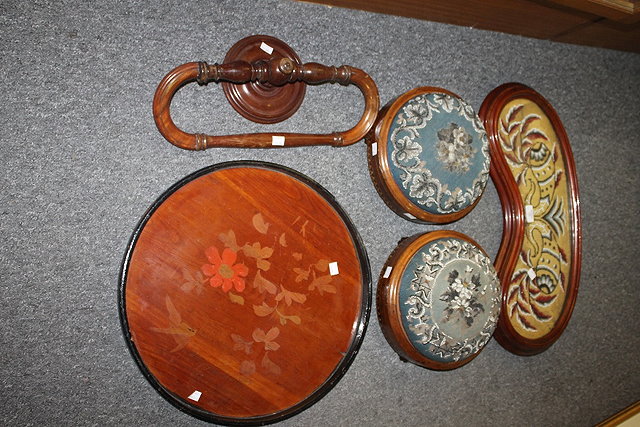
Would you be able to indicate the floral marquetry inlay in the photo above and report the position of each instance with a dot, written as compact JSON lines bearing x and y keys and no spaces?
{"x":230,"y":291}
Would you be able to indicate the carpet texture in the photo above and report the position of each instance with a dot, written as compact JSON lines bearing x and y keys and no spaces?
{"x":82,"y":161}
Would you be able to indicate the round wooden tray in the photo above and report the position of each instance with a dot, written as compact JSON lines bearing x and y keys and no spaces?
{"x":540,"y":254}
{"x":429,"y":156}
{"x":245,"y":293}
{"x":438,"y":299}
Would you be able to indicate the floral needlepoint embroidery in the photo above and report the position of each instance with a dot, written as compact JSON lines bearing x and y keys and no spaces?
{"x":223,"y":270}
{"x":462,"y":296}
{"x":454,"y":148}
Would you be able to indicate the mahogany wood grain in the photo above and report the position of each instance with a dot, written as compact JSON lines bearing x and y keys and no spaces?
{"x":246,"y":284}
{"x":568,"y":21}
{"x":514,"y":217}
{"x":276,"y":71}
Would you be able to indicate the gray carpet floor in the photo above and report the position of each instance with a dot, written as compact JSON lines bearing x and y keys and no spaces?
{"x":82,"y":160}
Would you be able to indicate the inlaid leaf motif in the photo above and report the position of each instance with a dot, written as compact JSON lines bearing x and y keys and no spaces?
{"x":236,"y":299}
{"x":320,"y":281}
{"x":283,"y":240}
{"x":267,"y":338}
{"x":295,"y":319}
{"x":297,"y":256}
{"x":229,"y":240}
{"x":174,"y":316}
{"x":284,"y":319}
{"x":239,"y":343}
{"x":263,"y":265}
{"x":322,"y":265}
{"x":260,"y":224}
{"x":264,"y":285}
{"x":178,"y":329}
{"x":301,"y":274}
{"x":263,"y":310}
{"x":290,"y":296}
{"x":270,"y":366}
{"x":257,"y":251}
{"x":193,"y":281}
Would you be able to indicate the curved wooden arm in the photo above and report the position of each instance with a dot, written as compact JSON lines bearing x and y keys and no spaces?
{"x":276,"y":71}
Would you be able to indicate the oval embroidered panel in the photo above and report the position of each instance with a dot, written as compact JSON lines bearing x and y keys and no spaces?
{"x":449,"y":300}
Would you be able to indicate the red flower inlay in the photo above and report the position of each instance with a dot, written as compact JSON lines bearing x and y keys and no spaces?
{"x":223,"y":271}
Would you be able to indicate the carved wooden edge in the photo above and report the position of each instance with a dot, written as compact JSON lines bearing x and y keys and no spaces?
{"x":358,"y":330}
{"x":275,"y":71}
{"x":514,"y":218}
{"x":380,"y":170}
{"x":388,"y":305}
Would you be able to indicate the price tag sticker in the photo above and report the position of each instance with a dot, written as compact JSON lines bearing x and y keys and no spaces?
{"x":277,"y":141}
{"x":195,"y":396}
{"x":387,"y":272}
{"x":528,"y":213}
{"x":333,"y":268}
{"x":265,"y":47}
{"x":374,"y":149}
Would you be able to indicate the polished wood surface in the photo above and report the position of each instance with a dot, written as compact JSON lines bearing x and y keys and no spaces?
{"x":256,"y":101}
{"x":510,"y":334}
{"x":275,"y":71}
{"x":612,"y":24}
{"x":380,"y":170}
{"x":245,"y":293}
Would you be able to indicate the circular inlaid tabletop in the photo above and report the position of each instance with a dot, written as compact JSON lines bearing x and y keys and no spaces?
{"x":244,"y":293}
{"x":429,"y":156}
{"x":438,"y":299}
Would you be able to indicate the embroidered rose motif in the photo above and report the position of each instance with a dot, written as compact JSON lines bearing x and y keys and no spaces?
{"x":462,"y":296}
{"x":223,"y":270}
{"x":454,"y":148}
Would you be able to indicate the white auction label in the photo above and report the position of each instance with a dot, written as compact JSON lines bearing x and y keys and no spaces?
{"x":195,"y":396}
{"x":277,"y":140}
{"x":333,"y":268}
{"x":528,"y":213}
{"x":387,"y":272}
{"x":374,"y":149}
{"x":265,"y":47}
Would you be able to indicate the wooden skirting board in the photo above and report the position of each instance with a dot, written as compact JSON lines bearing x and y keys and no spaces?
{"x":612,"y":24}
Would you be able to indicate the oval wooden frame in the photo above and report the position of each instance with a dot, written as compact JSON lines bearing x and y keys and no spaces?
{"x":380,"y":170}
{"x":387,"y":304}
{"x":514,"y":218}
{"x":358,"y":331}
